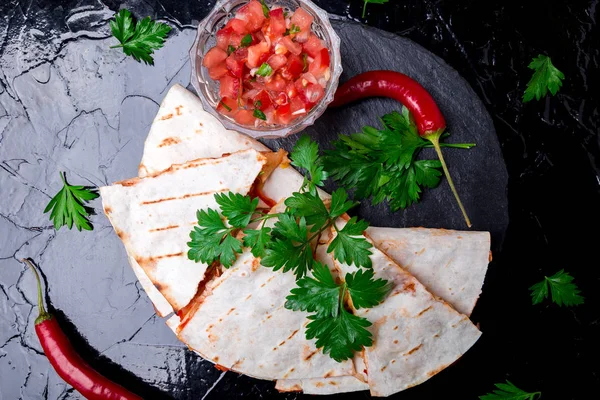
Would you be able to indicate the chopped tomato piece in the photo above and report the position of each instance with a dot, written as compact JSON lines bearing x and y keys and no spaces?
{"x":256,"y":52}
{"x":264,"y":98}
{"x":214,"y":57}
{"x":283,"y":115}
{"x":223,"y":36}
{"x":253,"y":14}
{"x":235,"y":39}
{"x":218,"y":71}
{"x":227,"y":106}
{"x":320,"y":64}
{"x":291,"y":90}
{"x":313,"y":46}
{"x":244,"y":117}
{"x":277,"y":22}
{"x":276,"y":84}
{"x":302,"y":19}
{"x":295,"y":66}
{"x":229,"y":87}
{"x":289,"y":44}
{"x":277,"y":61}
{"x":236,"y":67}
{"x":298,"y":107}
{"x":238,"y":26}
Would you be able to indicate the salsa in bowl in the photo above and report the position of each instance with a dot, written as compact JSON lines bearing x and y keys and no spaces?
{"x":266,"y":68}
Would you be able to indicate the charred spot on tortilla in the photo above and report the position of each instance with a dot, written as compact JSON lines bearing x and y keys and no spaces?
{"x":437,"y":370}
{"x":164,"y":228}
{"x":178,"y":110}
{"x":107,"y":210}
{"x":395,"y":341}
{"x":170,"y":141}
{"x":413,"y":350}
{"x":424,"y":311}
{"x":166,"y":117}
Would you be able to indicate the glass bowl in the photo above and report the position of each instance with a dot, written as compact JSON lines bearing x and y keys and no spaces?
{"x":208,"y":89}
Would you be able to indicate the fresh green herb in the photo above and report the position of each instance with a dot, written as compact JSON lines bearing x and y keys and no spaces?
{"x":508,"y":391}
{"x":304,"y":62}
{"x":337,"y":331}
{"x":246,"y":40}
{"x":225,"y":106}
{"x":562,"y":288}
{"x":374,"y":2}
{"x":68,"y":206}
{"x":258,"y":104}
{"x":264,"y":70}
{"x":294,"y":29}
{"x":285,"y":14}
{"x":265,"y":8}
{"x":288,"y":246}
{"x":259,"y":114}
{"x":545,"y":78}
{"x":230,"y":49}
{"x":306,"y":156}
{"x":383,"y":164}
{"x":140,"y":39}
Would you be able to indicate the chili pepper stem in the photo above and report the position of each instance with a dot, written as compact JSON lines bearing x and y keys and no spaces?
{"x":43,"y":315}
{"x":434,"y":138}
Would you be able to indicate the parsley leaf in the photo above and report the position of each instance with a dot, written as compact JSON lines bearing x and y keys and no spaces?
{"x":382,"y":164}
{"x":265,"y":8}
{"x":337,"y":331}
{"x":340,"y":204}
{"x":349,"y":245}
{"x":366,"y":292}
{"x":285,"y":254}
{"x":320,"y":295}
{"x":306,"y":155}
{"x":545,"y":78}
{"x":212,"y":240}
{"x":310,"y":206}
{"x":140,"y":39}
{"x":562,"y":288}
{"x":259,"y":114}
{"x":374,"y":2}
{"x":341,"y":336}
{"x":257,"y":240}
{"x":68,"y":206}
{"x":508,"y":391}
{"x":238,"y":208}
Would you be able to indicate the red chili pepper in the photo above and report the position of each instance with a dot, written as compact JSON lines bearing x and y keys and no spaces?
{"x":67,"y":363}
{"x":430,"y":121}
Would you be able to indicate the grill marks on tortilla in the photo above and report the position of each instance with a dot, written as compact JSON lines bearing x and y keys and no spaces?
{"x":165,"y":228}
{"x":170,"y":141}
{"x":185,"y":196}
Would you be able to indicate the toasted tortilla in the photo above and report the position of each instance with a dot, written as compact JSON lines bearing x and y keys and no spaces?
{"x":242,"y":325}
{"x":451,"y":264}
{"x":416,"y":334}
{"x":153,"y":216}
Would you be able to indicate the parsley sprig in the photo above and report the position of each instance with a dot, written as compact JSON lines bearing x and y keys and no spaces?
{"x":337,"y":331}
{"x":546,"y":78}
{"x":374,"y":2}
{"x":508,"y":391}
{"x":382,"y":164}
{"x":290,"y":246}
{"x":140,"y":39}
{"x":68,"y":206}
{"x":562,"y":288}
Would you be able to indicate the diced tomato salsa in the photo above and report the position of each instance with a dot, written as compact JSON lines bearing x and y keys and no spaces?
{"x":270,"y":65}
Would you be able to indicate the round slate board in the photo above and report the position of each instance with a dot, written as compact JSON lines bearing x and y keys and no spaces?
{"x":479,"y":174}
{"x":87,"y":112}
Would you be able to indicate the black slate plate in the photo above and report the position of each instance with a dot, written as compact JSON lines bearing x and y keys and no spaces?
{"x":87,"y":111}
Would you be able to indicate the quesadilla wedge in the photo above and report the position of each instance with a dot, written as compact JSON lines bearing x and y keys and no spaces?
{"x":154,"y":215}
{"x":416,"y":334}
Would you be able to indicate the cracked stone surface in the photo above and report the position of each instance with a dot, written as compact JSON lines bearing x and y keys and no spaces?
{"x":69,"y":103}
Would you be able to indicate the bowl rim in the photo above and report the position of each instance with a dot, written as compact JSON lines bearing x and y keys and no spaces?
{"x":300,"y":123}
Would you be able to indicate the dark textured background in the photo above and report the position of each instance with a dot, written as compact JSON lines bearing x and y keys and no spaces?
{"x":551,"y":149}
